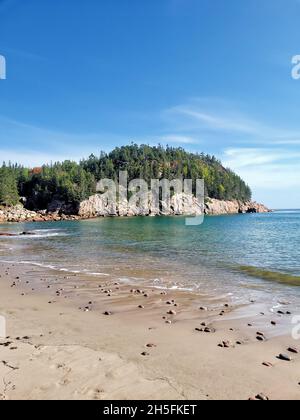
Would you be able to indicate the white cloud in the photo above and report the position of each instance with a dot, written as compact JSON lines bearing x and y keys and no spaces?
{"x":179,"y":139}
{"x":213,"y":121}
{"x":221,"y":121}
{"x":265,"y":168}
{"x":33,"y":158}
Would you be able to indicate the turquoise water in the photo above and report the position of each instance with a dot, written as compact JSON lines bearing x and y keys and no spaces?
{"x":253,"y":256}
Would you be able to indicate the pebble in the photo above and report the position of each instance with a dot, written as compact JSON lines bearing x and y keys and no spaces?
{"x":144,"y":353}
{"x":267,"y":364}
{"x":262,"y":397}
{"x":260,"y":338}
{"x":224,"y":344}
{"x":209,"y":330}
{"x":171,"y":312}
{"x":284,"y":357}
{"x":107,"y":313}
{"x":293,"y":350}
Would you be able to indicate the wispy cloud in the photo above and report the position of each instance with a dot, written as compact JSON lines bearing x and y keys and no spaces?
{"x":200,"y":118}
{"x":245,"y":157}
{"x":273,"y":169}
{"x":219,"y":120}
{"x":34,"y":145}
{"x":176,"y":138}
{"x":266,"y":156}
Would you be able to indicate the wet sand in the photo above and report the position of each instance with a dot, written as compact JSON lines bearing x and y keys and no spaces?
{"x":76,"y":337}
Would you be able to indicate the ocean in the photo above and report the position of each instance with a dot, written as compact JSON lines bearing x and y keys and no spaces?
{"x":240,"y":257}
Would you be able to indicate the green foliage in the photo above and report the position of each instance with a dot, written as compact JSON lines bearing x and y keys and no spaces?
{"x":72,"y":182}
{"x":65,"y":181}
{"x":158,"y":162}
{"x":8,"y":186}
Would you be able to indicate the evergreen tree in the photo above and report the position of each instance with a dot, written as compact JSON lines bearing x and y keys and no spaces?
{"x":9,"y":195}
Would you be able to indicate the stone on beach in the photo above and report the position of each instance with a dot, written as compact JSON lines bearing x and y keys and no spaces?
{"x":171,"y":312}
{"x":107,"y":313}
{"x":285,"y":357}
{"x":262,"y":397}
{"x":224,"y":344}
{"x":267,"y":364}
{"x":260,"y":338}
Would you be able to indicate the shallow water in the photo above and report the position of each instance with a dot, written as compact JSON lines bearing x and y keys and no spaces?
{"x":241,"y":257}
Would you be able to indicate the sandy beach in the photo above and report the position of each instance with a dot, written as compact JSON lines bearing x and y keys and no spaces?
{"x":76,"y":337}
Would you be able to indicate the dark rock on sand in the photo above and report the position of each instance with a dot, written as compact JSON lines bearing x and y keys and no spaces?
{"x":284,"y":357}
{"x":209,"y":330}
{"x":267,"y":364}
{"x":224,"y":344}
{"x":171,"y":312}
{"x":260,"y":338}
{"x":262,"y":397}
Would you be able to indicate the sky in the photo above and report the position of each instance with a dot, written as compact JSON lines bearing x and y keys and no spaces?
{"x":211,"y":76}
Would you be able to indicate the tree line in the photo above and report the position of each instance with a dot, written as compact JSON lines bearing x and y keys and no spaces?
{"x":73,"y":182}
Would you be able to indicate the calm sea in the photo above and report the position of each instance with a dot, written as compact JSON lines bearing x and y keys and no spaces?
{"x":253,"y":256}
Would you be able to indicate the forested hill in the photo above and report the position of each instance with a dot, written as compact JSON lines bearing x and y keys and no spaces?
{"x":74,"y":182}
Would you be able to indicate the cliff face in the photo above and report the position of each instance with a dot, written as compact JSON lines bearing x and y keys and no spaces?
{"x":218,"y":207}
{"x":180,"y":204}
{"x":97,"y":206}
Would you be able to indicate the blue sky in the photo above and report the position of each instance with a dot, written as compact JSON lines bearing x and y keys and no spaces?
{"x":208,"y":75}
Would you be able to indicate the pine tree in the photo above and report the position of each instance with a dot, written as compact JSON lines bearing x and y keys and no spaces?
{"x":9,"y":195}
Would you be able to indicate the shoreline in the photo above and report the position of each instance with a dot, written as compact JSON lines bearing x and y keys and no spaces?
{"x":87,"y":354}
{"x":94,"y":208}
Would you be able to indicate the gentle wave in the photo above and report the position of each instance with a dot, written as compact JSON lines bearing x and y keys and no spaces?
{"x":295,"y":211}
{"x":264,"y":274}
{"x":53,"y":267}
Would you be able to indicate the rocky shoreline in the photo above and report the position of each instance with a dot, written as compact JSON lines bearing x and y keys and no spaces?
{"x":96,"y":206}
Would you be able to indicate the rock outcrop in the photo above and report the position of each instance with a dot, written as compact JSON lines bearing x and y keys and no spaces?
{"x":218,"y":207}
{"x":20,"y":214}
{"x":98,"y":206}
{"x":179,"y":204}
